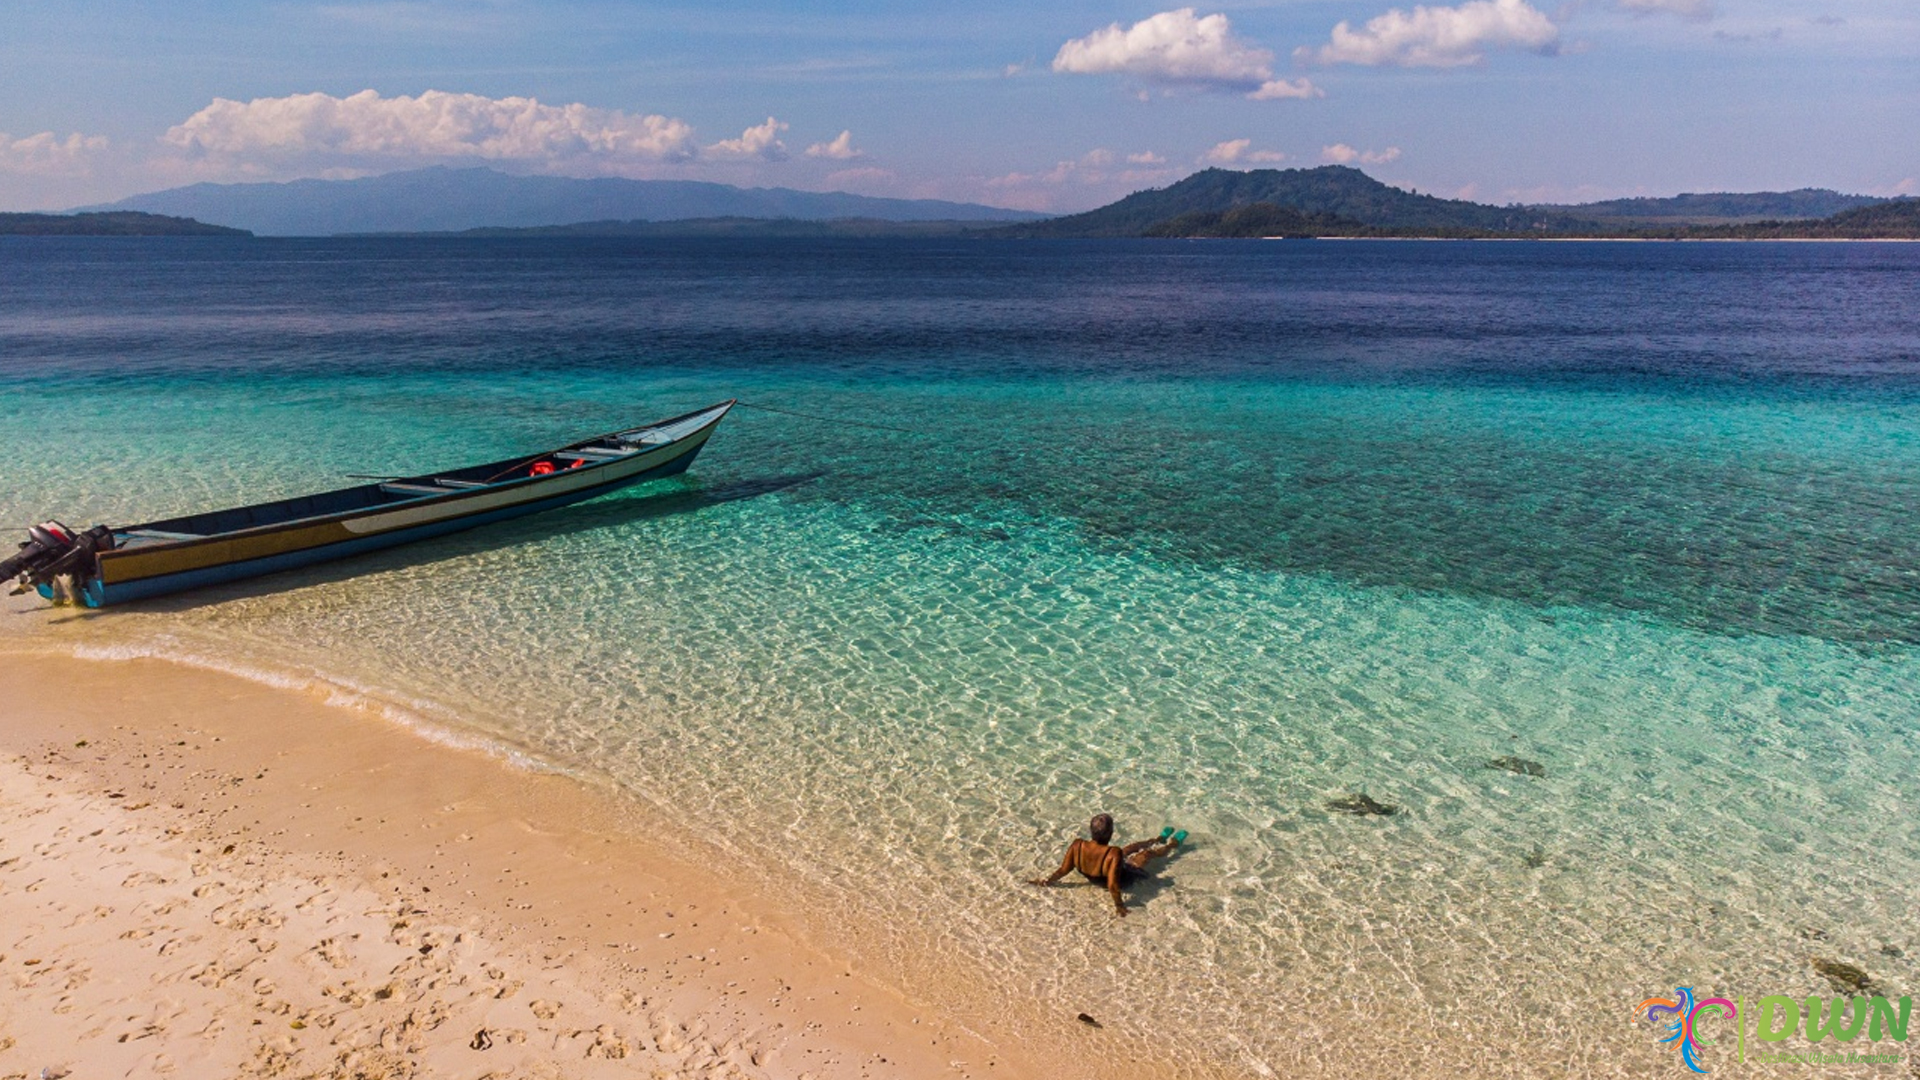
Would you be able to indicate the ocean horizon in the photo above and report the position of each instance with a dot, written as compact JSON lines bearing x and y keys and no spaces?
{"x":1595,"y":561}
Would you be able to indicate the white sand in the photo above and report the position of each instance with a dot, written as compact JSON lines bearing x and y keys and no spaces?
{"x":207,"y":877}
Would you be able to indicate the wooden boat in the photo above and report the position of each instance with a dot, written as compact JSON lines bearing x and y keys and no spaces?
{"x":111,"y":565}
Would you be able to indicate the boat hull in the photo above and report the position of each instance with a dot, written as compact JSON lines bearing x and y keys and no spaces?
{"x":138,"y":573}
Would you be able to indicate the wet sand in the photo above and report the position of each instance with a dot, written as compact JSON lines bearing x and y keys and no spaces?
{"x":202,"y":875}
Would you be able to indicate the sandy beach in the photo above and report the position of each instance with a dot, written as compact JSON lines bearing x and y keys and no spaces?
{"x":204,"y":876}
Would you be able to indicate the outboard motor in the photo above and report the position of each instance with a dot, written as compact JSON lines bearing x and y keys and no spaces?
{"x":51,"y":551}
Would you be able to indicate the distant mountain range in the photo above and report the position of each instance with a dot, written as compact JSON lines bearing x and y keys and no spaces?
{"x":1335,"y":200}
{"x":738,"y":227}
{"x":1894,"y":219}
{"x":454,"y":200}
{"x":1332,"y":200}
{"x":1722,"y":209}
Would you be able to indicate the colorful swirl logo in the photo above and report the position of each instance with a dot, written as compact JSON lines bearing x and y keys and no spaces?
{"x":1683,"y":1011}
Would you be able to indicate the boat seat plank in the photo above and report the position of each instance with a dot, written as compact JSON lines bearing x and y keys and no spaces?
{"x":599,"y":452}
{"x":461,"y":483}
{"x":413,"y":489}
{"x":161,"y":534}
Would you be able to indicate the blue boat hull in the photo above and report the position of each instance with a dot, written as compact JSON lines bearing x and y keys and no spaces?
{"x":377,"y":517}
{"x":96,"y":594}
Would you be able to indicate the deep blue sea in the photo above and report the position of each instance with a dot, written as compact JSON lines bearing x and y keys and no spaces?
{"x":1202,"y":534}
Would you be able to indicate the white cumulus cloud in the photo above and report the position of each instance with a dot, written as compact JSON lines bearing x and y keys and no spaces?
{"x":1091,"y":168}
{"x":840,"y":149}
{"x":434,"y":125}
{"x":1439,"y":36}
{"x":1275,"y":89}
{"x":1236,"y":151}
{"x":1686,"y":9}
{"x":1095,"y":177}
{"x":46,"y":154}
{"x":761,"y":141}
{"x":1342,"y":154}
{"x":1179,"y":48}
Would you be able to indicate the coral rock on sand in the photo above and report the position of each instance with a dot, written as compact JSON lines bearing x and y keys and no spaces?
{"x":1360,"y":803}
{"x":1845,"y":978}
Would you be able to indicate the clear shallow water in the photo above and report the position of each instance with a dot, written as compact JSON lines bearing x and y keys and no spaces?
{"x":1201,"y":534}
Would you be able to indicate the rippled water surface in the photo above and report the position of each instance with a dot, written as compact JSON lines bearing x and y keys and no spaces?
{"x":1199,"y":534}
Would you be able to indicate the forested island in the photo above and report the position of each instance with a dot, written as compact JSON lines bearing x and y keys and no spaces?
{"x":109,"y":223}
{"x":1337,"y":201}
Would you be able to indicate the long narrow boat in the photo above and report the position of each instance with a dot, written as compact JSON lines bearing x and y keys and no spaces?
{"x":111,"y":565}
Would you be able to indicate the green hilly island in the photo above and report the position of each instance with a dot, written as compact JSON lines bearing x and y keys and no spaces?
{"x":1339,"y":201}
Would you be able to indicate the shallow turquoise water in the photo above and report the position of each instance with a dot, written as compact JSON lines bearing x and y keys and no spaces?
{"x":1203,"y":541}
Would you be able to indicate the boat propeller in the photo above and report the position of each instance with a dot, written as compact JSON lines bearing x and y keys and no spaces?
{"x":52,"y":550}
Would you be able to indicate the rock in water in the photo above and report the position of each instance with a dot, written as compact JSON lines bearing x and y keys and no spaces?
{"x":1845,"y":977}
{"x":1518,"y":765}
{"x":1359,"y":803}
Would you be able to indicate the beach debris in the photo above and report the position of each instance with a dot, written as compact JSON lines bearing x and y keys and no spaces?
{"x":1089,"y":1021}
{"x":481,"y":1040}
{"x":1892,"y":951}
{"x":1845,"y":978}
{"x":1514,"y":764}
{"x":1536,"y":858}
{"x":1360,"y":803}
{"x":1813,"y":933}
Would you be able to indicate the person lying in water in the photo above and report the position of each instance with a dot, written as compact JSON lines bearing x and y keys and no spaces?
{"x":1100,"y":861}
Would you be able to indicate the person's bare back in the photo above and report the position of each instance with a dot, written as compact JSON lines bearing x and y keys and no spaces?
{"x":1100,"y":861}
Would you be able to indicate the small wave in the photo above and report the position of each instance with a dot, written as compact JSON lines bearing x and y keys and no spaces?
{"x":424,"y":719}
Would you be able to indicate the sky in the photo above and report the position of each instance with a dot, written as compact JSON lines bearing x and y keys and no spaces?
{"x":1055,"y":107}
